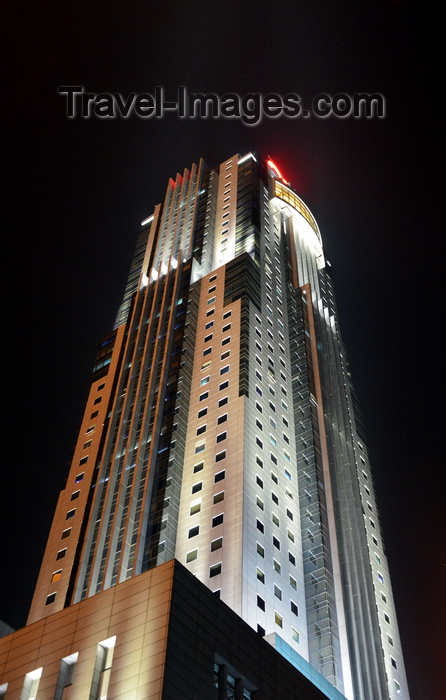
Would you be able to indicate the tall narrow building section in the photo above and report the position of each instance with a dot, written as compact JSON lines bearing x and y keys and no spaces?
{"x":221,"y":429}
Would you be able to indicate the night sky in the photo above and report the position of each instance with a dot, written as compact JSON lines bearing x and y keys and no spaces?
{"x":77,"y":190}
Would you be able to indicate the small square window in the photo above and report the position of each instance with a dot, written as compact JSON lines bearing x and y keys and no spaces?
{"x":278,"y":619}
{"x":215,"y":570}
{"x":219,"y":456}
{"x":260,"y":526}
{"x":201,"y":430}
{"x":207,"y":352}
{"x":94,"y":414}
{"x":222,"y":419}
{"x":294,"y":635}
{"x":224,"y":370}
{"x":202,"y":412}
{"x":260,"y":575}
{"x":259,"y":482}
{"x":198,"y":467}
{"x":90,"y":429}
{"x":277,"y":566}
{"x":259,"y":442}
{"x":293,"y":583}
{"x":205,"y":380}
{"x":211,"y":279}
{"x":197,"y":487}
{"x":84,"y":460}
{"x":294,"y":609}
{"x":276,"y":542}
{"x":393,"y":661}
{"x":217,"y":520}
{"x":204,"y":396}
{"x":50,"y":599}
{"x":221,"y":437}
{"x":70,"y":514}
{"x":277,"y":592}
{"x":224,"y":355}
{"x":199,"y":448}
{"x":66,"y":533}
{"x":191,"y":556}
{"x":209,"y":325}
{"x":225,"y":341}
{"x":226,"y":328}
{"x":75,"y":495}
{"x":223,"y":402}
{"x":224,"y":385}
{"x":193,"y":532}
{"x":259,"y":503}
{"x":86,"y":445}
{"x":292,"y":558}
{"x":216,"y":544}
{"x":79,"y":478}
{"x":227,"y":314}
{"x":260,"y":550}
{"x":100,"y":387}
{"x":212,"y":289}
{"x":56,"y":576}
{"x":219,"y":497}
{"x":260,"y":603}
{"x":207,"y":338}
{"x":98,"y":400}
{"x":210,"y":312}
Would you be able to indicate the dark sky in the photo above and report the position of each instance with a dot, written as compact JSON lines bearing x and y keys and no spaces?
{"x":76,"y":191}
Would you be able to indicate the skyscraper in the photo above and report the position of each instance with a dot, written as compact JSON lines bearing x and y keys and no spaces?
{"x":221,"y":429}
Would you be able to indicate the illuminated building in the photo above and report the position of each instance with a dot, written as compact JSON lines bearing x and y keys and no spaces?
{"x":221,"y":429}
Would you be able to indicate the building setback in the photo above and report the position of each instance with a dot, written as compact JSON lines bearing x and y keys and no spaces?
{"x":221,"y":429}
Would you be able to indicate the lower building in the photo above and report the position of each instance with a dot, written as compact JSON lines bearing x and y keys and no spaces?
{"x":162,"y":635}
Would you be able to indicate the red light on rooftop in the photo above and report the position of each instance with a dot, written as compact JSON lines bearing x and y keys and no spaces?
{"x":274,"y":167}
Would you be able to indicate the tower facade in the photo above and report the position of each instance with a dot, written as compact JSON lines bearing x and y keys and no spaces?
{"x":221,"y":429}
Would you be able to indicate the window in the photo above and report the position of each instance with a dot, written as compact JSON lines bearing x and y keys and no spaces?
{"x":221,"y":437}
{"x":390,"y":640}
{"x":94,"y":414}
{"x":260,"y":526}
{"x":380,"y":578}
{"x":209,"y":325}
{"x":273,"y":440}
{"x":211,"y":279}
{"x":295,"y":635}
{"x":260,"y":603}
{"x":210,"y":312}
{"x":274,"y":478}
{"x":292,"y":558}
{"x":216,"y":544}
{"x":226,"y":328}
{"x":212,"y":289}
{"x":290,"y":535}
{"x":90,"y":429}
{"x":217,"y":520}
{"x":102,"y":670}
{"x":397,"y":687}
{"x":98,"y":400}
{"x":205,"y":380}
{"x":198,"y":467}
{"x":201,"y":429}
{"x":215,"y":570}
{"x":258,"y":424}
{"x":277,"y":566}
{"x":60,"y":554}
{"x":223,"y":402}
{"x":277,"y":592}
{"x":275,"y":498}
{"x":259,"y":462}
{"x":202,"y":412}
{"x":260,"y":550}
{"x":219,"y":497}
{"x":222,"y":386}
{"x":193,"y":532}
{"x":259,"y":442}
{"x":393,"y":662}
{"x":289,"y":514}
{"x":259,"y":391}
{"x":276,"y":542}
{"x":260,"y":575}
{"x":86,"y":445}
{"x":288,"y":476}
{"x":56,"y":576}
{"x":70,"y":514}
{"x":224,"y":355}
{"x":199,"y":448}
{"x":79,"y":478}
{"x":293,"y":583}
{"x":273,"y":458}
{"x":191,"y":556}
{"x":84,"y":460}
{"x":204,"y":396}
{"x":66,"y":673}
{"x":227,"y":314}
{"x":259,"y":481}
{"x":210,"y":301}
{"x":220,"y":456}
{"x":259,"y":503}
{"x":224,"y":369}
{"x":278,"y":619}
{"x":387,"y":618}
{"x":197,"y":487}
{"x":222,"y":419}
{"x":227,"y":340}
{"x":66,"y":533}
{"x":207,"y":352}
{"x":294,"y":609}
{"x":31,"y":683}
{"x":207,"y":338}
{"x":50,"y":599}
